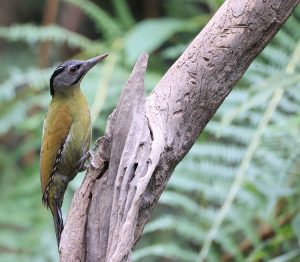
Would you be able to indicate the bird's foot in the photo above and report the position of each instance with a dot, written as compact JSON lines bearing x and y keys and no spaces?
{"x":85,"y":161}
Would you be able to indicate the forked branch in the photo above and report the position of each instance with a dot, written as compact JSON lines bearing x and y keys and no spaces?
{"x":146,"y":138}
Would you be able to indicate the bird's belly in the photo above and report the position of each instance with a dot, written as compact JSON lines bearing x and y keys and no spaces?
{"x":75,"y":148}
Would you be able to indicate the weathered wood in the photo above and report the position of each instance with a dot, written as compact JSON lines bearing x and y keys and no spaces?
{"x":115,"y":195}
{"x":146,"y":138}
{"x":74,"y":238}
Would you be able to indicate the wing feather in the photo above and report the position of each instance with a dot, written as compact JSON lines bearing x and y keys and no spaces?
{"x":56,"y":128}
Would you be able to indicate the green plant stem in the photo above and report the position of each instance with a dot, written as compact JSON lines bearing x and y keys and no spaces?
{"x":241,"y":173}
{"x":107,"y":74}
{"x":123,"y":12}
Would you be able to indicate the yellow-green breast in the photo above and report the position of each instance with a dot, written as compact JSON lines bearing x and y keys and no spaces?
{"x":66,"y":137}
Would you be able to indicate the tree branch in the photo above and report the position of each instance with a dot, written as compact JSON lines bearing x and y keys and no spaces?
{"x":146,"y":138}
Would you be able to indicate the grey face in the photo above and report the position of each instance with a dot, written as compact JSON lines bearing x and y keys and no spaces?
{"x":70,"y":73}
{"x":66,"y":75}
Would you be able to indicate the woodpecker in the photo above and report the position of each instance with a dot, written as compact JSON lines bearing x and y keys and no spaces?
{"x":66,"y":135}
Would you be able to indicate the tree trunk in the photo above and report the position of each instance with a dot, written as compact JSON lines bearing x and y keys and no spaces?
{"x":147,"y":137}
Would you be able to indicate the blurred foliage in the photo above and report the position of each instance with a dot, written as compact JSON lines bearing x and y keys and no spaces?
{"x":233,"y":197}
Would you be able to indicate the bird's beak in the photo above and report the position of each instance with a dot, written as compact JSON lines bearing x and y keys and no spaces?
{"x":88,"y":64}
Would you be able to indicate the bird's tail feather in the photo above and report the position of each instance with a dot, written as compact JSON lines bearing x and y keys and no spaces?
{"x":58,"y":221}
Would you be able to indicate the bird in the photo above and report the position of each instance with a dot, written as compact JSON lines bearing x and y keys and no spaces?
{"x":66,"y":135}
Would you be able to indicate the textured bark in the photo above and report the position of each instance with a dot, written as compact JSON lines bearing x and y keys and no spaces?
{"x":146,"y":138}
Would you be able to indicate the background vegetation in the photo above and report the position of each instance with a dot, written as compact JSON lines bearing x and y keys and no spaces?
{"x":235,"y":196}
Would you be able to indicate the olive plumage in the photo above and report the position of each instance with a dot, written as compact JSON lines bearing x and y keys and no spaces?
{"x":66,"y":135}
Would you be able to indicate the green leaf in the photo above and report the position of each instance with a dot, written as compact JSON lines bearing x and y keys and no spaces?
{"x":149,"y":35}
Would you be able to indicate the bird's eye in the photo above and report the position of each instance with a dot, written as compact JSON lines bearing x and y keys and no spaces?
{"x":72,"y":70}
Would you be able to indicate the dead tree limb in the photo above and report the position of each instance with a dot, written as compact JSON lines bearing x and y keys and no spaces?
{"x":146,"y":138}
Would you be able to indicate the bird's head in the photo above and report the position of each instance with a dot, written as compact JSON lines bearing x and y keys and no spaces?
{"x":70,"y":73}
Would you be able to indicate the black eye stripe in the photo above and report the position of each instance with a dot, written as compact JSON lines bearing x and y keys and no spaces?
{"x":57,"y":71}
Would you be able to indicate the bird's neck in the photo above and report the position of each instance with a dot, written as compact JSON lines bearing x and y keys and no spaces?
{"x":68,"y":93}
{"x":73,"y":98}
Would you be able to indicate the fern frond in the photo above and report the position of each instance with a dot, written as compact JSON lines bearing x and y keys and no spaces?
{"x":36,"y":78}
{"x":291,"y":26}
{"x":276,"y":57}
{"x":15,"y":114}
{"x":33,"y":34}
{"x":170,"y":251}
{"x":288,"y":106}
{"x":187,"y":204}
{"x":242,"y":134}
{"x":259,"y":99}
{"x":217,"y":152}
{"x":289,"y":256}
{"x":227,"y":242}
{"x":182,"y":227}
{"x":285,"y":41}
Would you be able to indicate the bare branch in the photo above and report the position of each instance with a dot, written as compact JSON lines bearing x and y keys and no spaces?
{"x":146,"y":139}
